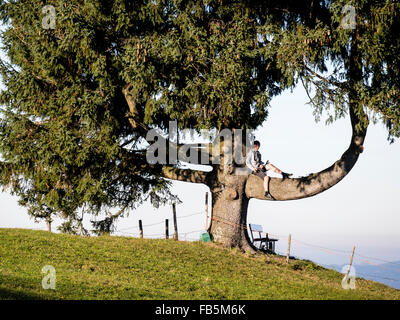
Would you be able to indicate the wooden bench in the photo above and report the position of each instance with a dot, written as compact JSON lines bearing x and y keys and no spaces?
{"x":262,"y":243}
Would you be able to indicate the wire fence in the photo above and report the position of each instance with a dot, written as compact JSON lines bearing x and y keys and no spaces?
{"x":358,"y":257}
{"x":134,"y":231}
{"x":377,"y":262}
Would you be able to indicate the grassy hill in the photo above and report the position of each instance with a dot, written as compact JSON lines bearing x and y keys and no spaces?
{"x":128,"y":268}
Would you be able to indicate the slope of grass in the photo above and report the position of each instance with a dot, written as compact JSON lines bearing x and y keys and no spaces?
{"x":128,"y":268}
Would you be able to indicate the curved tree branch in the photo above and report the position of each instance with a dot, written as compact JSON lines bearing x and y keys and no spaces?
{"x":291,"y":189}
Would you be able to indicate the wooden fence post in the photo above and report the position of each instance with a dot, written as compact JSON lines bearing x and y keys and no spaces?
{"x":288,"y":248}
{"x":166,"y":229}
{"x":140,"y":228}
{"x":48,"y":223}
{"x":175,"y":224}
{"x":206,"y":209}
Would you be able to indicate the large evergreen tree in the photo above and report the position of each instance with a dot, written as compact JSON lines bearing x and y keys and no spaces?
{"x":81,"y":98}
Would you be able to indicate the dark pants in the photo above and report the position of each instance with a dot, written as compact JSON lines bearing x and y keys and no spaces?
{"x":260,"y":173}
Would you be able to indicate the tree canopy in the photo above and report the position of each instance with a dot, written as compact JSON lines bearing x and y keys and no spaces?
{"x":79,"y":99}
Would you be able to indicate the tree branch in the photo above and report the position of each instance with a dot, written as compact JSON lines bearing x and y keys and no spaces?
{"x":166,"y":171}
{"x":187,"y":175}
{"x":136,"y":117}
{"x":315,"y":183}
{"x":334,"y":83}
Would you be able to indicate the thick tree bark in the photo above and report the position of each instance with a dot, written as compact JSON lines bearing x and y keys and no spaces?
{"x":229,"y":212}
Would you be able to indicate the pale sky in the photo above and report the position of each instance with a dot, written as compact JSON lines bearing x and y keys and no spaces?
{"x":362,"y":210}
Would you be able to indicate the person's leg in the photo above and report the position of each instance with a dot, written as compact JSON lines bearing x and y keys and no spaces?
{"x":266,"y":188}
{"x":265,"y":178}
{"x":270,"y":166}
{"x":266,"y":183}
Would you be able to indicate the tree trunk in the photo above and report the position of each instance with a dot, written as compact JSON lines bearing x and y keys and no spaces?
{"x":229,"y":212}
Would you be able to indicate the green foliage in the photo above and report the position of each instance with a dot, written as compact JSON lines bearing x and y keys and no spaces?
{"x":326,"y":48}
{"x":66,"y":136}
{"x":204,"y":64}
{"x":73,"y":226}
{"x":104,"y":227}
{"x":63,"y":112}
{"x":128,"y":268}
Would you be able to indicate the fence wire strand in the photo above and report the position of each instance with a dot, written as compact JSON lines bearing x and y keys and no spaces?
{"x":318,"y":247}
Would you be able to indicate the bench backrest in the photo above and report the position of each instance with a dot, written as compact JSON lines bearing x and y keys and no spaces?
{"x":256,"y":227}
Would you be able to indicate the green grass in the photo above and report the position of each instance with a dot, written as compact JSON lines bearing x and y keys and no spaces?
{"x":129,"y":268}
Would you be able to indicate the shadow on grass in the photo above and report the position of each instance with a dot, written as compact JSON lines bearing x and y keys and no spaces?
{"x":9,"y":294}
